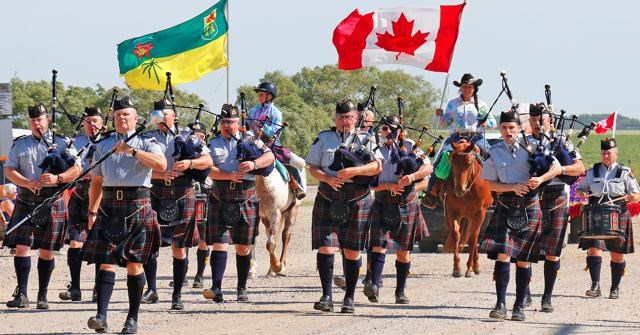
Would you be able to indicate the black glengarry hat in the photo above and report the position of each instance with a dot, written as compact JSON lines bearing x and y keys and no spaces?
{"x":36,"y":110}
{"x":124,"y":102}
{"x":608,"y":143}
{"x":229,"y":112}
{"x":509,"y":116}
{"x":92,"y":111}
{"x":161,"y":104}
{"x":345,"y":106}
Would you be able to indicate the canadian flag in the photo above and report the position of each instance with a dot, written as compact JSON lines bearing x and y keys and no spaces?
{"x":606,"y":124}
{"x":423,"y":37}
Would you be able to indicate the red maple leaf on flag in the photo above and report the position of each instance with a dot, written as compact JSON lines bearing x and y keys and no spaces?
{"x":401,"y":40}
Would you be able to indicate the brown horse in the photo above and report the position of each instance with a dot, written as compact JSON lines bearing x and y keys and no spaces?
{"x":466,"y":196}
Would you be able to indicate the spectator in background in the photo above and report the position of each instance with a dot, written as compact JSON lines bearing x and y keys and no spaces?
{"x":9,"y":191}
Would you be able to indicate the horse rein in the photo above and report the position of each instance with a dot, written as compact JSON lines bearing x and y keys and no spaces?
{"x":473,"y":169}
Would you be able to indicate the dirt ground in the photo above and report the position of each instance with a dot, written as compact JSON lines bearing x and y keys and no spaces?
{"x":440,"y":304}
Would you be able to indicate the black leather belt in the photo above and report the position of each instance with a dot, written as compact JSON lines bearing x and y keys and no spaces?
{"x":125,"y":192}
{"x":394,"y":198}
{"x":230,"y":185}
{"x":177,"y":181}
{"x":43,"y":192}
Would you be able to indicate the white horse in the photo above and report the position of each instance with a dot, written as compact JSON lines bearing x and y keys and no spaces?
{"x":278,"y":213}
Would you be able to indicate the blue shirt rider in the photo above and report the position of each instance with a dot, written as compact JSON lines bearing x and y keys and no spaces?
{"x":265,"y":119}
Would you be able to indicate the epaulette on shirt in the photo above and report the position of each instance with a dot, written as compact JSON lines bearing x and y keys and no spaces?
{"x":330,"y":130}
{"x":18,"y":138}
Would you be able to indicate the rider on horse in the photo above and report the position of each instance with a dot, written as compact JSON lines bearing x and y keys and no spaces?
{"x":265,"y":119}
{"x":465,"y":115}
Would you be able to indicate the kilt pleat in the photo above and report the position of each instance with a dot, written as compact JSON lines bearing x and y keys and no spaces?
{"x":553,"y":232}
{"x":182,"y":231}
{"x":411,"y":228}
{"x":78,"y":213}
{"x":137,"y":247}
{"x":522,"y":245}
{"x":50,"y":237}
{"x":353,"y":234}
{"x":245,"y":231}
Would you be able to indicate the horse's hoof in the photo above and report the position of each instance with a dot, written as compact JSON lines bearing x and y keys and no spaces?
{"x":457,"y":273}
{"x":469,"y":274}
{"x":476,"y":271}
{"x":270,"y":274}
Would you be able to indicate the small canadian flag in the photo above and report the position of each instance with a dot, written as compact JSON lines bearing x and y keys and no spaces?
{"x":606,"y":124}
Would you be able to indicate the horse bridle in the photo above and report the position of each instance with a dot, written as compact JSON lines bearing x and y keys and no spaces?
{"x":473,"y":169}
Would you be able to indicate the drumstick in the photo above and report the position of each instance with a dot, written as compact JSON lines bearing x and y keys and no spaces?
{"x":610,"y":201}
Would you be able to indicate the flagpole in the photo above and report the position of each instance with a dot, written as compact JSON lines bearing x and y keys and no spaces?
{"x":228,"y":10}
{"x":615,"y":123}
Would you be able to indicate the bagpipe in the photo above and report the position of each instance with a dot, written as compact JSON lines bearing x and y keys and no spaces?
{"x":246,"y":148}
{"x":184,"y":148}
{"x":351,"y":155}
{"x":409,"y":160}
{"x":56,"y":161}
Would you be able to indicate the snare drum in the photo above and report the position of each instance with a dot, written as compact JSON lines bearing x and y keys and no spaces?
{"x":601,"y":222}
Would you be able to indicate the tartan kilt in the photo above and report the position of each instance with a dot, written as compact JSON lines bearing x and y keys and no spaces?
{"x":521,"y":245}
{"x":137,"y":248}
{"x":201,"y":217}
{"x":622,"y":246}
{"x":553,"y":232}
{"x":27,"y":234}
{"x":181,"y":232}
{"x":353,"y":234}
{"x":78,"y":213}
{"x":243,"y":232}
{"x":412,"y":226}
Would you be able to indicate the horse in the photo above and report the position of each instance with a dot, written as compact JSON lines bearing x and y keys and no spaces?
{"x":278,"y":213}
{"x":466,"y":196}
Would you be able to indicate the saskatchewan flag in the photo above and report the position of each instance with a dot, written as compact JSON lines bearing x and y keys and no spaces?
{"x":188,"y":50}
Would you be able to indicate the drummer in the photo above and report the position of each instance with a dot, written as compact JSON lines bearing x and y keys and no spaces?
{"x":609,"y":182}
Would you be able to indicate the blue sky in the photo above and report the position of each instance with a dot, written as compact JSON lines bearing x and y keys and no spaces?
{"x":585,"y":50}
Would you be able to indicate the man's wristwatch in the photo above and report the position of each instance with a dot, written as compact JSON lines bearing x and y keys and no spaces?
{"x":59,"y":179}
{"x":133,"y":152}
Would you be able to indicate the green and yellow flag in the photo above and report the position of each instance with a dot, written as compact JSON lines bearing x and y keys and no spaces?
{"x":188,"y":50}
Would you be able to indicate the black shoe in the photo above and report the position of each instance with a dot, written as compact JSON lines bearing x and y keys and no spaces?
{"x":546,"y":304}
{"x":325,"y":304}
{"x":19,"y":300}
{"x":528,"y":301}
{"x":614,"y":293}
{"x":150,"y":297}
{"x":518,"y":313}
{"x":94,"y":295}
{"x":130,"y":326}
{"x":372,"y":292}
{"x":72,"y":294}
{"x":98,"y":323}
{"x":242,"y":295}
{"x":594,"y":291}
{"x":176,"y":304}
{"x":42,"y":302}
{"x":401,"y":298}
{"x":347,"y":306}
{"x":499,"y":312}
{"x":198,"y":282}
{"x":214,"y":293}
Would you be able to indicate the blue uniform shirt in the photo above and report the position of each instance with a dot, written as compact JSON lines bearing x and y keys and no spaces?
{"x":508,"y":164}
{"x":224,"y":152}
{"x":607,"y":183}
{"x":28,"y":152}
{"x":123,"y":169}
{"x":328,"y":141}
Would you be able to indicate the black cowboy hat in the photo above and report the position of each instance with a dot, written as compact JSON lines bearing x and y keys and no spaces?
{"x":467,"y":78}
